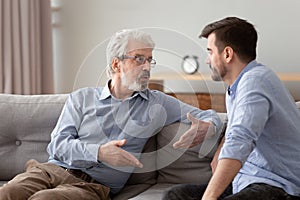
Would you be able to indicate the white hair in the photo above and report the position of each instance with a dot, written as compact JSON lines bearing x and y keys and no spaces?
{"x":117,"y":45}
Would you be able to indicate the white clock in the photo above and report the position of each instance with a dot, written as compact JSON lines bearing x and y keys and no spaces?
{"x":190,"y":64}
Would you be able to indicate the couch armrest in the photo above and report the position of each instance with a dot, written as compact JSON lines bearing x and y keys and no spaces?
{"x":298,"y":104}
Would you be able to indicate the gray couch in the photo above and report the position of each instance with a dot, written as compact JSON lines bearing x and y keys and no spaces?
{"x":27,"y":121}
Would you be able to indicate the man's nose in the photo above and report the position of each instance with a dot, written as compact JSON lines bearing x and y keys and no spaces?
{"x":147,"y":66}
{"x":207,"y":60}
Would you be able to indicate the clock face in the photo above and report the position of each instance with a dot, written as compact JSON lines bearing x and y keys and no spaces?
{"x":190,"y":64}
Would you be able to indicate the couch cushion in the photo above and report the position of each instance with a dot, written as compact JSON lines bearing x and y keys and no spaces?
{"x":130,"y":191}
{"x":142,"y":178}
{"x":182,"y":166}
{"x":154,"y":193}
{"x":148,"y":173}
{"x":25,"y":126}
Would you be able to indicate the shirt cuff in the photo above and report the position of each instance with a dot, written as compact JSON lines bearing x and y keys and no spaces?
{"x":93,"y":151}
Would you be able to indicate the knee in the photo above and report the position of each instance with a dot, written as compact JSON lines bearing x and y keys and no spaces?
{"x":169,"y":195}
{"x":173,"y":193}
{"x":184,"y":191}
{"x":10,"y":191}
{"x":5,"y":192}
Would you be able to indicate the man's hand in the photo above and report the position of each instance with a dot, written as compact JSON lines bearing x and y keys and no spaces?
{"x":196,"y":134}
{"x":112,"y":154}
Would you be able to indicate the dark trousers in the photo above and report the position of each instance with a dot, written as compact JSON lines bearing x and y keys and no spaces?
{"x":257,"y":191}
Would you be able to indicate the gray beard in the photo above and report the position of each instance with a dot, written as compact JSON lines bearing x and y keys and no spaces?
{"x":135,"y":86}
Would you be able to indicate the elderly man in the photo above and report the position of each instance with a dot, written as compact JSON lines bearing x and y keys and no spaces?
{"x":101,"y":131}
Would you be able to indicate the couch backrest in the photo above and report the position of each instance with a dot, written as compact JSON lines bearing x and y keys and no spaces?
{"x":26,"y":122}
{"x":176,"y":166}
{"x":188,"y":165}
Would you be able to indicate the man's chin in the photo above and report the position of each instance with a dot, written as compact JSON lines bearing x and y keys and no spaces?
{"x":139,"y":87}
{"x":216,"y":77}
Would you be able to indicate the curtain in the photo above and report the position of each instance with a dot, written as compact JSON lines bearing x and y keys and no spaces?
{"x":26,"y":64}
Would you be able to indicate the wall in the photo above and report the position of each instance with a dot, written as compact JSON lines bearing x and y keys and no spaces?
{"x":83,"y":27}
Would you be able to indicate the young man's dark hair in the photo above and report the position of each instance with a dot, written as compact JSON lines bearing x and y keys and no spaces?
{"x":236,"y":33}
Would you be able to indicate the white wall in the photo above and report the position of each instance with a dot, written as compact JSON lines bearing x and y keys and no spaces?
{"x":83,"y":27}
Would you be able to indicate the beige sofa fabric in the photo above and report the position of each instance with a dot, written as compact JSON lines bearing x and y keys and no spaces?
{"x":179,"y":165}
{"x":26,"y":123}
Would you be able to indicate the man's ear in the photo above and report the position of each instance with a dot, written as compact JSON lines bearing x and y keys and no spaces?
{"x":115,"y":65}
{"x":228,"y":54}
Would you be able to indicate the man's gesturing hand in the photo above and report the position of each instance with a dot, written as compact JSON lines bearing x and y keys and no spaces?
{"x":196,"y":134}
{"x":112,"y":154}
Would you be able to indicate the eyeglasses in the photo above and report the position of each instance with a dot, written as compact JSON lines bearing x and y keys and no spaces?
{"x":140,"y":59}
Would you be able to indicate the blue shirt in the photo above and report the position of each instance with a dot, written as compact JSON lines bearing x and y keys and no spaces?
{"x":263,"y":131}
{"x":92,"y":117}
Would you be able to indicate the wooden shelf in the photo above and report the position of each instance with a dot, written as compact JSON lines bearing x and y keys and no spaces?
{"x":180,"y":76}
{"x":203,"y":101}
{"x":289,"y":76}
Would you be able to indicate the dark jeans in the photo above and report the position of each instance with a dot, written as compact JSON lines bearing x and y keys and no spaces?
{"x":257,"y":191}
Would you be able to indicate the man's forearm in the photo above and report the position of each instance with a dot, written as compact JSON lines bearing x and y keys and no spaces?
{"x":225,"y":172}
{"x":214,"y":162}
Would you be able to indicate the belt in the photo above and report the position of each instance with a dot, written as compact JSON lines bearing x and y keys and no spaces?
{"x":81,"y":175}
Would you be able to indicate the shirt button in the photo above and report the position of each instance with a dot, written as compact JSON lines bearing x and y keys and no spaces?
{"x":18,"y":143}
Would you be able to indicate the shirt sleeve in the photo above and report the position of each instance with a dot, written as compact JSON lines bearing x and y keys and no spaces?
{"x":65,"y":145}
{"x":249,"y":113}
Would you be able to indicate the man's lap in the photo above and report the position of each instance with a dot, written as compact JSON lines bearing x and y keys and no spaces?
{"x":190,"y":192}
{"x":261,"y":191}
{"x":49,"y":180}
{"x":257,"y":191}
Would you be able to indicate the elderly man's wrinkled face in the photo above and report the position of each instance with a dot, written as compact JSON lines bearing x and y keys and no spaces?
{"x":135,"y":72}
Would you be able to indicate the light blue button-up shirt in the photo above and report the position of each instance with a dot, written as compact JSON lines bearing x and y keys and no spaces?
{"x":263,"y":131}
{"x":92,"y":117}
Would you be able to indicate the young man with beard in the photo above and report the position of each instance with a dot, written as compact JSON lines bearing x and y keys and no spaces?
{"x":101,"y":131}
{"x":260,"y":154}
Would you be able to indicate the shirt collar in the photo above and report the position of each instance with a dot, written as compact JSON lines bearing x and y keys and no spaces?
{"x":231,"y":90}
{"x":144,"y":94}
{"x":106,"y":93}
